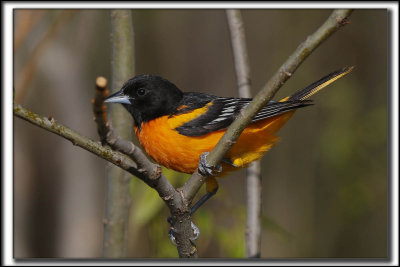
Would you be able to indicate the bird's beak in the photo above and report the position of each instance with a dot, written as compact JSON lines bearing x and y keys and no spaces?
{"x":118,"y":97}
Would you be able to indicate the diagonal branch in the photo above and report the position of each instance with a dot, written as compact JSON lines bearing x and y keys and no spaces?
{"x":160,"y":183}
{"x":51,"y":125}
{"x":149,"y":172}
{"x":178,"y":200}
{"x":336,"y":20}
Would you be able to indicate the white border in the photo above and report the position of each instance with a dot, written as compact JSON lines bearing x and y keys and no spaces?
{"x":201,"y":5}
{"x":7,"y":142}
{"x":393,"y":188}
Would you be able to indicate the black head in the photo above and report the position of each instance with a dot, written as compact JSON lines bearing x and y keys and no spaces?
{"x":147,"y":97}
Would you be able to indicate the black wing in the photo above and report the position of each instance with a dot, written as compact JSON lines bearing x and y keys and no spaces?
{"x":223,"y":111}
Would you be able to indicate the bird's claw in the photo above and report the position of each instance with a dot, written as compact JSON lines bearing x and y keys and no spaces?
{"x":172,"y":237}
{"x":196,"y":232}
{"x":206,"y":169}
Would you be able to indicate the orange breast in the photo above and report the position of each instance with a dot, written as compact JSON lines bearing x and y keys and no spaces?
{"x":181,"y":153}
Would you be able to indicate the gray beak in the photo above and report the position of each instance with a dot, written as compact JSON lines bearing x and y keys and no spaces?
{"x":118,"y":97}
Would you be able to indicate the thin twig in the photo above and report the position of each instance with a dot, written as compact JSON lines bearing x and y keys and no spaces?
{"x":240,"y":56}
{"x":50,"y":124}
{"x":109,"y":137}
{"x":336,"y":20}
{"x":253,"y":172}
{"x":254,"y":204}
{"x":123,"y":68}
{"x":179,"y":200}
{"x":167,"y":192}
{"x":149,"y":172}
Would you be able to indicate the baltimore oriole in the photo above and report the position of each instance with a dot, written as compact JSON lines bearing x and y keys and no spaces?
{"x":175,"y":128}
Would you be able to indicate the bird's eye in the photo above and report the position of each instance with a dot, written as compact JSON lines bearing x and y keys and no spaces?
{"x":141,"y":91}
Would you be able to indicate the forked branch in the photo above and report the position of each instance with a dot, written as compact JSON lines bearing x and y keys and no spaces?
{"x":178,"y":200}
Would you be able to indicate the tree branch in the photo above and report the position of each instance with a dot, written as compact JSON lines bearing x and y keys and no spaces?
{"x":148,"y":172}
{"x":336,"y":20}
{"x":178,"y":200}
{"x":109,"y":137}
{"x":253,"y":172}
{"x":129,"y":158}
{"x":240,"y":56}
{"x":117,"y":188}
{"x":51,"y":125}
{"x":172,"y":198}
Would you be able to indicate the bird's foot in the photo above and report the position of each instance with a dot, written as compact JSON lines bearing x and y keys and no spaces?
{"x":171,"y":233}
{"x":206,"y":169}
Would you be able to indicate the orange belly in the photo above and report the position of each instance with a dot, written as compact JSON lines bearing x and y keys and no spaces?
{"x":181,"y":153}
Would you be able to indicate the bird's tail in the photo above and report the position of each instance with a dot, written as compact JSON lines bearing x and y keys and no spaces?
{"x":308,"y":91}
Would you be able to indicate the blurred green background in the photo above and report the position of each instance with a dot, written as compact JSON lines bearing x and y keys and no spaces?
{"x":324,"y":184}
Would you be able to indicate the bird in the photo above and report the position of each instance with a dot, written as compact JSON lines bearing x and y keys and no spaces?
{"x":177,"y":129}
